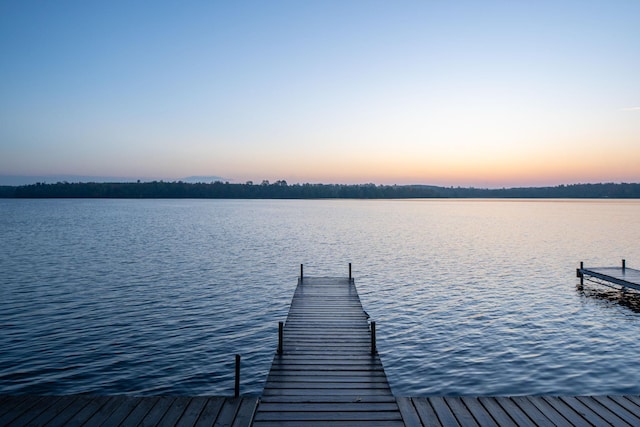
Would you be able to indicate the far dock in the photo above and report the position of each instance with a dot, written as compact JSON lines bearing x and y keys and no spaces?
{"x":608,"y":276}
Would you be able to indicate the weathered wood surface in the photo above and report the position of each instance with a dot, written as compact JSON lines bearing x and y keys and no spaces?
{"x":327,"y":374}
{"x":627,"y":277}
{"x":521,"y":411}
{"x":81,"y":410}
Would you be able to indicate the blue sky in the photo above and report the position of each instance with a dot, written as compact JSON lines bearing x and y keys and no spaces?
{"x":492,"y":93}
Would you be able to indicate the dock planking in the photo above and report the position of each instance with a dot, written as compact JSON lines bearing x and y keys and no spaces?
{"x":327,"y":373}
{"x":535,"y":411}
{"x":83,"y":410}
{"x":622,"y":276}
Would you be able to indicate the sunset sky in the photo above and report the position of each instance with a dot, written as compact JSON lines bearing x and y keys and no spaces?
{"x":477,"y":93}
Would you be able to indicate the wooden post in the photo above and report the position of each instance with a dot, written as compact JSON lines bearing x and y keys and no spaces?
{"x":237,"y":385}
{"x":350,"y":279}
{"x":373,"y":338}
{"x":624,"y":264}
{"x":580,"y":275}
{"x":301,"y":272}
{"x":280,"y":334}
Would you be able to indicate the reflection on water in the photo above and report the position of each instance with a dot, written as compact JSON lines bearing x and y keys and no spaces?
{"x":617,"y":296}
{"x":470,"y":297}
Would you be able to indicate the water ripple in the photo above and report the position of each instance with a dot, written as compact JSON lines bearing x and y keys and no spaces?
{"x":470,"y":297}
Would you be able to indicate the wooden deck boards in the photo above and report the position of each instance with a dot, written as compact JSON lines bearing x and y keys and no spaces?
{"x":327,"y":374}
{"x":625,"y":277}
{"x":521,"y":411}
{"x":81,"y":410}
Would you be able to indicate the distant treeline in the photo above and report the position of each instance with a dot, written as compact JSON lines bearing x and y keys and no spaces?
{"x":281,"y":190}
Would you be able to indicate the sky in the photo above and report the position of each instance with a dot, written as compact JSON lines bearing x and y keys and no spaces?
{"x":454,"y":93}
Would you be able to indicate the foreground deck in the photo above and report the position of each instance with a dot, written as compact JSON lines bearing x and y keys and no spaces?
{"x":238,"y":412}
{"x":83,"y":410}
{"x":327,"y":372}
{"x":521,"y":411}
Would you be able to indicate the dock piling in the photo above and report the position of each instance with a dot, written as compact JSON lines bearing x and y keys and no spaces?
{"x":624,"y":264}
{"x":350,"y":278}
{"x":373,"y":338}
{"x":580,"y":275}
{"x":301,"y":272}
{"x":237,"y":384}
{"x":280,"y":336}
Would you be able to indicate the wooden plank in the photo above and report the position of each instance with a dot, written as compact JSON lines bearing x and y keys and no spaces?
{"x":246,"y":412}
{"x":210,"y":412}
{"x":443,"y":411}
{"x":634,"y":399}
{"x":335,"y":415}
{"x":514,"y":411}
{"x":496,"y":411}
{"x":174,"y":412}
{"x":104,"y":412}
{"x":52,"y":410}
{"x":540,"y":411}
{"x":324,"y":406}
{"x":478,"y":411}
{"x":125,"y":405}
{"x":335,"y":399}
{"x":612,"y":406}
{"x":627,"y":405}
{"x":460,"y":411}
{"x":351,"y":423}
{"x":17,"y":407}
{"x":155,"y":414}
{"x":192,"y":412}
{"x":565,"y":410}
{"x":409,"y":414}
{"x":228,"y":412}
{"x":5,"y":403}
{"x":426,"y":413}
{"x":140,"y":411}
{"x":88,"y":410}
{"x":601,"y":417}
{"x":338,"y":375}
{"x":63,"y":417}
{"x":329,"y":392}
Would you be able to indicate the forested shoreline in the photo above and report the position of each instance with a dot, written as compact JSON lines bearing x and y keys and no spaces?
{"x":282,"y":190}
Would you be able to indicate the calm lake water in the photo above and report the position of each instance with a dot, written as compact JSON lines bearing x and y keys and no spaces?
{"x":471,"y":297}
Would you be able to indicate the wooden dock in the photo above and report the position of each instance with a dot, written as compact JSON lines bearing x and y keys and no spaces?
{"x":81,"y":410}
{"x":534,"y":411}
{"x":622,"y":276}
{"x":325,"y":372}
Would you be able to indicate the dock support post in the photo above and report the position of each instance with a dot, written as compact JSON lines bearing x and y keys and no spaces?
{"x":624,"y":264}
{"x":280,"y":335}
{"x":237,"y":385}
{"x":580,"y":275}
{"x":301,"y":272}
{"x":350,"y":279}
{"x":373,"y":338}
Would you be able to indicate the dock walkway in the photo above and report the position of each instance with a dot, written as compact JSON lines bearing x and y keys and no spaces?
{"x":82,"y":410}
{"x":327,"y":373}
{"x":621,"y":276}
